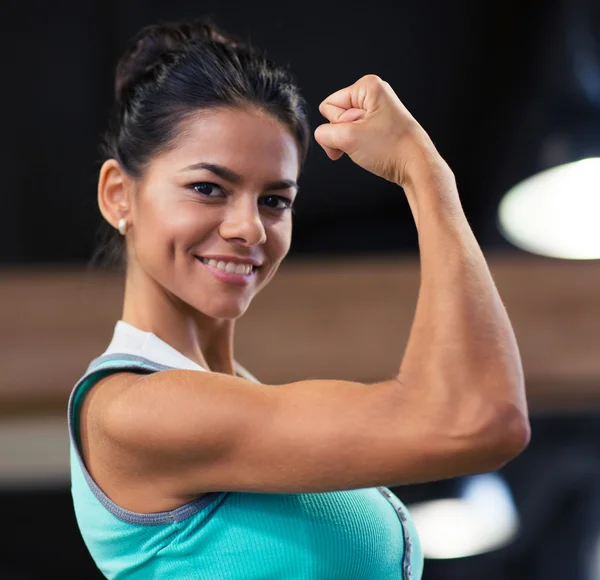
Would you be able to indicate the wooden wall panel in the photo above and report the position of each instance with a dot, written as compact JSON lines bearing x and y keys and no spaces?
{"x":345,"y":318}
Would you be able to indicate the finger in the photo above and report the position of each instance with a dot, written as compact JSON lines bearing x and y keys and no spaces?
{"x":363,"y":94}
{"x":356,"y":96}
{"x":338,"y":115}
{"x":351,"y":115}
{"x":336,"y":103}
{"x":331,"y":112}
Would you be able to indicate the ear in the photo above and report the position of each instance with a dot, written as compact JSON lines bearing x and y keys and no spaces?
{"x":114,"y":190}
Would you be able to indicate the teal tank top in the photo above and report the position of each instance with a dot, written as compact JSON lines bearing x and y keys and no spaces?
{"x":339,"y":535}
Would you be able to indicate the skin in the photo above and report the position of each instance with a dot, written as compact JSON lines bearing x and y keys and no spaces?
{"x":172,"y":220}
{"x":457,"y":405}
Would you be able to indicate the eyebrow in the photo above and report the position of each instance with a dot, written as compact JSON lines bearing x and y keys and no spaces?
{"x":233,"y":177}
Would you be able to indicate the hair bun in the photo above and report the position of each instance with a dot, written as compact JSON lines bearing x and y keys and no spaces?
{"x":149,"y":46}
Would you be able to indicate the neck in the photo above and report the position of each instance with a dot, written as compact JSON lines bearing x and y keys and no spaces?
{"x":207,"y":341}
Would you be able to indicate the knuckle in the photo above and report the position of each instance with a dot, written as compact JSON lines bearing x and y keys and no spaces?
{"x":373,"y":80}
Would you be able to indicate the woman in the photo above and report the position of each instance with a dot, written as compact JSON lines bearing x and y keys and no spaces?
{"x":183,"y":465}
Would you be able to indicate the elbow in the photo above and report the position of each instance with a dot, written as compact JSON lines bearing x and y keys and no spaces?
{"x":515,"y":434}
{"x":506,"y":436}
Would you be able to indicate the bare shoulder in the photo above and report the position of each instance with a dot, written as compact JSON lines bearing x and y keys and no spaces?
{"x":100,"y":455}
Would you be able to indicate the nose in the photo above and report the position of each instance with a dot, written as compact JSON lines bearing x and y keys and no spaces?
{"x":243,"y":223}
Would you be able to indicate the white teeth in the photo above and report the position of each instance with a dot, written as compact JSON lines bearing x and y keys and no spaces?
{"x":232,"y":267}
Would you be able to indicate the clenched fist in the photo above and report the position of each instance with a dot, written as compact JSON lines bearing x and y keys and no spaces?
{"x":369,"y":123}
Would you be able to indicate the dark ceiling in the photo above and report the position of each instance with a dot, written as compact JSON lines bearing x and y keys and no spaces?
{"x":481,"y":77}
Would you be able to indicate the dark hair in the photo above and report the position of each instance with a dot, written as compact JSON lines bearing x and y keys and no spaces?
{"x":171,"y":70}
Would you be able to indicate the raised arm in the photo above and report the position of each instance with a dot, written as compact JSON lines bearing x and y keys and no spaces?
{"x":462,"y":360}
{"x":457,"y":405}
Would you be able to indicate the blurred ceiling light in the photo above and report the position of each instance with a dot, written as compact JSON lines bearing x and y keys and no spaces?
{"x":482,"y":518}
{"x":556,"y":212}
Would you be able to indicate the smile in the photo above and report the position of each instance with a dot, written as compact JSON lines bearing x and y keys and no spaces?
{"x":231,"y":267}
{"x":229,"y":272}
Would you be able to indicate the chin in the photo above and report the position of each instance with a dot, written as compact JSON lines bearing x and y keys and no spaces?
{"x":226,"y":310}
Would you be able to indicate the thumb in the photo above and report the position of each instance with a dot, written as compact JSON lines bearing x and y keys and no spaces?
{"x":326,"y":138}
{"x":335,"y":138}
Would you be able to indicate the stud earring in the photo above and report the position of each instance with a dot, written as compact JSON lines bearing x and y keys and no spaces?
{"x":122,"y":226}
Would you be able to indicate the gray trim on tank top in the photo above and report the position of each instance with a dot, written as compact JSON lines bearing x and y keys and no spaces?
{"x":408,"y":545}
{"x":130,"y":358}
{"x":177,"y":515}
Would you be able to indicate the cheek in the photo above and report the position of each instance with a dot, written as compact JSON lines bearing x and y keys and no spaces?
{"x":279,"y":237}
{"x":167,"y":230}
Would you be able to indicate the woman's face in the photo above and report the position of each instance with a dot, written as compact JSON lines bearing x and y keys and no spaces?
{"x":211,"y":218}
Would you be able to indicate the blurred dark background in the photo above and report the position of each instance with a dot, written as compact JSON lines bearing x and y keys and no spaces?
{"x":487,"y":80}
{"x":481,"y":78}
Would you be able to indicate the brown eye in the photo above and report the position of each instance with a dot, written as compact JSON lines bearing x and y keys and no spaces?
{"x":207,"y":189}
{"x":277,"y":202}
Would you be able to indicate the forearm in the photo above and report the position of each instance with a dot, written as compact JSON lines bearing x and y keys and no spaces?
{"x":462,"y":348}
